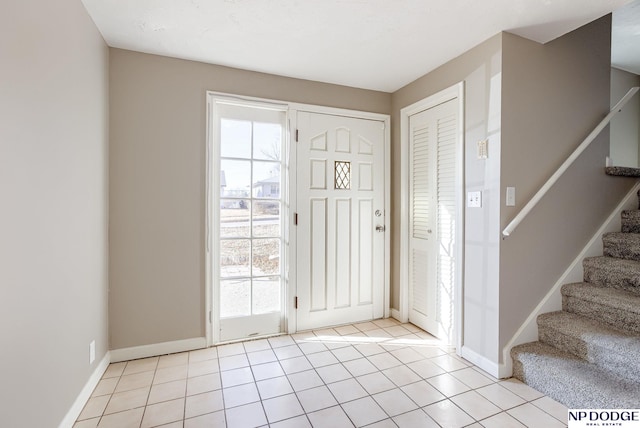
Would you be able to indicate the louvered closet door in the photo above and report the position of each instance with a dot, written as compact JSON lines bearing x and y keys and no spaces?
{"x":433,"y":137}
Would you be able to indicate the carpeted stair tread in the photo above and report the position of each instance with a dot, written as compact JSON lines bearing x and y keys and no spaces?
{"x":608,"y":348}
{"x":622,"y":245}
{"x":630,"y":221}
{"x":622,"y":171}
{"x":613,"y":272}
{"x":617,"y":308}
{"x":572,"y":381}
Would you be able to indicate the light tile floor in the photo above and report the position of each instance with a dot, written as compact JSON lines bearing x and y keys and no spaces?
{"x":373,"y":374}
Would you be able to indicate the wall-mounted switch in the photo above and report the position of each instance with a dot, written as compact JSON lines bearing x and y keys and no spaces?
{"x":511,"y":196}
{"x":483,"y":149}
{"x":92,"y":352}
{"x":474,"y":199}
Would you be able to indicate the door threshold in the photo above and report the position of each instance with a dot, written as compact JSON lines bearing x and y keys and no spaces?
{"x":248,"y":339}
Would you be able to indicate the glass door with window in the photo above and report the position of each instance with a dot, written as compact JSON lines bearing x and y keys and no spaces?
{"x":248,"y":269}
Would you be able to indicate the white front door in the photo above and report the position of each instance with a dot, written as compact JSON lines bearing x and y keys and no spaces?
{"x":433,"y":141}
{"x":341,"y":220}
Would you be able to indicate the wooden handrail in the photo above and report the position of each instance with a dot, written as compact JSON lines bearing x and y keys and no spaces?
{"x":567,"y":163}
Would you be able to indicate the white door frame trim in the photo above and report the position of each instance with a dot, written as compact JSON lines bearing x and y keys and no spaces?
{"x":212,"y":194}
{"x":386,"y":119}
{"x":455,"y":91}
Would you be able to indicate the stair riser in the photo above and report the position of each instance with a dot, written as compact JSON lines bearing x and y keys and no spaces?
{"x":624,"y":365}
{"x":551,"y":379}
{"x":614,"y":317}
{"x":622,"y":250}
{"x":623,"y":279}
{"x":630,"y":227}
{"x":630,"y":222}
{"x":559,"y":391}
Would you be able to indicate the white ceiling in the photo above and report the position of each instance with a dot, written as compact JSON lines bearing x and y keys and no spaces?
{"x":625,"y":38}
{"x":372,"y":44}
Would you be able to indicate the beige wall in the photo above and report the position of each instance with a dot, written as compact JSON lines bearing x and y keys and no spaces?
{"x":625,"y":127}
{"x":157,"y":193}
{"x":553,"y":95}
{"x":53,"y":215}
{"x":480,"y":70}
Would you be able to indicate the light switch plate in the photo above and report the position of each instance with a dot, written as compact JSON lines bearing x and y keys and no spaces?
{"x":474,"y":199}
{"x":483,"y":149}
{"x":511,"y":196}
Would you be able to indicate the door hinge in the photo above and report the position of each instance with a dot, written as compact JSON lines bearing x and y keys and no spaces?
{"x":295,"y":219}
{"x":210,"y":318}
{"x":295,"y":302}
{"x":297,"y":135}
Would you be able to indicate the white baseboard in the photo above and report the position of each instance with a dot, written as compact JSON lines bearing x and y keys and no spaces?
{"x":482,"y":362}
{"x":395,"y":314}
{"x":125,"y":354}
{"x":552,"y":301}
{"x":144,"y":351}
{"x":75,"y":410}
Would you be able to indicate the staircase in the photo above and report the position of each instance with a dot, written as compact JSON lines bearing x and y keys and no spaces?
{"x":588,"y":355}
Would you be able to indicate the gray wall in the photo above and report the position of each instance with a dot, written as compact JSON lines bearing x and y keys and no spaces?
{"x":553,"y":95}
{"x":480,"y":69}
{"x":625,"y":127}
{"x":157,"y":193}
{"x":53,"y":215}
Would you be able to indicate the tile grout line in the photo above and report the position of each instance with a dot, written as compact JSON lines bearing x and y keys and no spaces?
{"x":144,"y":412}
